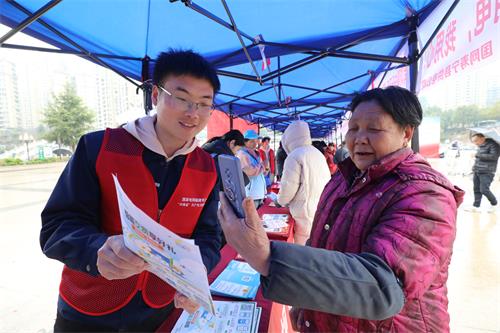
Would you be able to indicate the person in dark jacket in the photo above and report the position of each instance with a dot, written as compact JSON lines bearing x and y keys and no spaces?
{"x":280,"y":161}
{"x":228,"y":144}
{"x":485,"y":166}
{"x":105,"y":287}
{"x":341,"y":154}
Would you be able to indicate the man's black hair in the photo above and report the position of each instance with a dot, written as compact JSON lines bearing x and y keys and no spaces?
{"x":266,"y":138}
{"x":400,"y":103}
{"x":184,"y":62}
{"x":235,"y":135}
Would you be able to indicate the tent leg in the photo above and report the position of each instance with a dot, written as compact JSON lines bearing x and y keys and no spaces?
{"x":413,"y":55}
{"x":274,"y":138}
{"x":231,"y":116}
{"x":146,"y":87}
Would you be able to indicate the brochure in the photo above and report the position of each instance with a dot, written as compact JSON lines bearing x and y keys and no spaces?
{"x":238,"y":279}
{"x":230,"y":317}
{"x":174,"y":259}
{"x":275,"y":222}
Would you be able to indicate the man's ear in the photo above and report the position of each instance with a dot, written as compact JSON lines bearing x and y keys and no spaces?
{"x":155,"y":95}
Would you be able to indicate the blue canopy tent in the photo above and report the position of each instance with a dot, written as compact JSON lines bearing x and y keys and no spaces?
{"x":321,"y":52}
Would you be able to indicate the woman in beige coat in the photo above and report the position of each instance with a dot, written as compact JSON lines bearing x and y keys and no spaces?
{"x":305,"y":174}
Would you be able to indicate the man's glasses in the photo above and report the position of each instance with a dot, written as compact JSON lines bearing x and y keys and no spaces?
{"x":183,"y":104}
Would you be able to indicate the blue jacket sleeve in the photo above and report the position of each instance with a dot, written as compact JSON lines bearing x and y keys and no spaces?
{"x":70,"y":221}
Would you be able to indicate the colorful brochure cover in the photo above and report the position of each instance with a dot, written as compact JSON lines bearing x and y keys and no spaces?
{"x":174,"y":259}
{"x":238,"y":279}
{"x":230,"y":317}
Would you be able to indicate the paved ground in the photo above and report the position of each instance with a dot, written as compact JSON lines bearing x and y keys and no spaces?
{"x":29,"y":281}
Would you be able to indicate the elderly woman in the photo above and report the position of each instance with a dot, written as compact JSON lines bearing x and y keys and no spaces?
{"x":382,"y":236}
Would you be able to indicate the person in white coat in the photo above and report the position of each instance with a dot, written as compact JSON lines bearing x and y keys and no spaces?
{"x":305,"y":174}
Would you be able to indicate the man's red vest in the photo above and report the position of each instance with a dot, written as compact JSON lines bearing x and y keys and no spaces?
{"x":121,"y":154}
{"x":263,"y":156}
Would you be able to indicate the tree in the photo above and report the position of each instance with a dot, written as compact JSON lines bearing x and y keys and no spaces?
{"x":67,"y":118}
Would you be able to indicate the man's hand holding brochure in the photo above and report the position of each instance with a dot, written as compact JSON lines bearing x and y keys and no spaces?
{"x":174,"y":259}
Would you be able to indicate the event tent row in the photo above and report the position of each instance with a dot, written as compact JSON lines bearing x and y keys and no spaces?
{"x":277,"y":60}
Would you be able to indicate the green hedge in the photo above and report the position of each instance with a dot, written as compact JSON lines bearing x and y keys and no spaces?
{"x":17,"y":161}
{"x":11,"y":161}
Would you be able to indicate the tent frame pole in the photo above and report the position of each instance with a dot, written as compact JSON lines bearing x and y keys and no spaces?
{"x":238,"y":34}
{"x":77,"y":53}
{"x":312,"y":89}
{"x":243,"y":97}
{"x":293,"y":66}
{"x":342,"y":54}
{"x":206,"y":13}
{"x":30,"y":19}
{"x":237,"y":75}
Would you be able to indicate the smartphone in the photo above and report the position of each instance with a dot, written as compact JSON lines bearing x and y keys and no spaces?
{"x":232,"y":182}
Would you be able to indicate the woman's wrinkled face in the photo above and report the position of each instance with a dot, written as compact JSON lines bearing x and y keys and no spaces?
{"x":373,"y":134}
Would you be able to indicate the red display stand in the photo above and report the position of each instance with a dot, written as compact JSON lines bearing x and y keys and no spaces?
{"x":274,"y":316}
{"x":288,"y":236}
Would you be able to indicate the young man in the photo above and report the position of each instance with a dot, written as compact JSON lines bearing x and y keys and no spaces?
{"x":268,"y":159}
{"x":485,"y":166}
{"x":104,"y":286}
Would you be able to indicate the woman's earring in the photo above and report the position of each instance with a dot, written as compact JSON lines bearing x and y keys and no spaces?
{"x":405,"y":144}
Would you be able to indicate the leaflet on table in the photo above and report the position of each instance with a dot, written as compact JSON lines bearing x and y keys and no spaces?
{"x":256,"y":319}
{"x":231,"y":317}
{"x":275,"y":222}
{"x":174,"y":259}
{"x":238,"y":279}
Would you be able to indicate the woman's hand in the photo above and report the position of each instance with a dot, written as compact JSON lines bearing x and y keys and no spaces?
{"x":247,"y":236}
{"x":297,"y":319}
{"x":183,"y":302}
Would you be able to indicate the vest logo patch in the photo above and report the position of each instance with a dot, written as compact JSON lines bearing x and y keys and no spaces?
{"x":192,"y":202}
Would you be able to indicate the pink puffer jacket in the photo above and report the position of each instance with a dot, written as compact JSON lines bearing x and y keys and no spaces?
{"x":403,"y":211}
